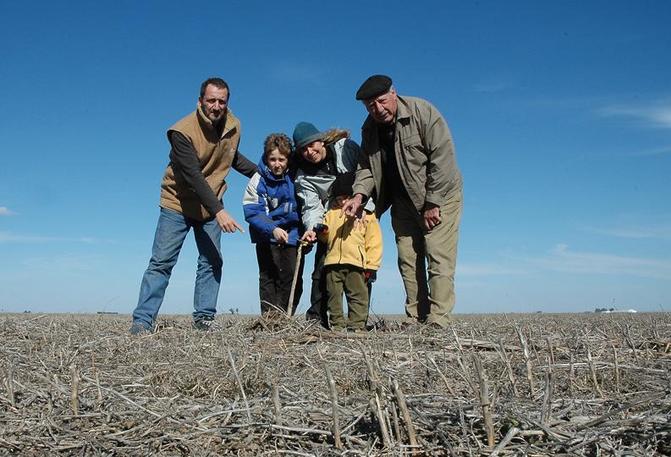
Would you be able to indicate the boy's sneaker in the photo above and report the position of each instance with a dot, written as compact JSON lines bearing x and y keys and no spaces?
{"x":138,"y":329}
{"x":204,"y":323}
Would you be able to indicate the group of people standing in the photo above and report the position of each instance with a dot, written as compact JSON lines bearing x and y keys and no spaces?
{"x":321,"y":190}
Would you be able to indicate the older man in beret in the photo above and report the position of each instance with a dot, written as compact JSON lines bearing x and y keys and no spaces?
{"x":408,"y":163}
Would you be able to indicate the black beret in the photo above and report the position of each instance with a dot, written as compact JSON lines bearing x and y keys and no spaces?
{"x":373,"y":86}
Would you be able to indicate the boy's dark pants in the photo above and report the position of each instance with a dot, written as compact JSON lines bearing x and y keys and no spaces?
{"x":276,"y":271}
{"x":351,"y":280}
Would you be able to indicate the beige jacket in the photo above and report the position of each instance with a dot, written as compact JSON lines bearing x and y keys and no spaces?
{"x":424,"y":154}
{"x":215,"y":152}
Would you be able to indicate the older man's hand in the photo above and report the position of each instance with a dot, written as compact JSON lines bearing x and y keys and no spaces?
{"x":432,"y":217}
{"x":353,"y":207}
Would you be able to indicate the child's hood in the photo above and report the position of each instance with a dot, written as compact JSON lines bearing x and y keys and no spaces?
{"x":268,"y":175}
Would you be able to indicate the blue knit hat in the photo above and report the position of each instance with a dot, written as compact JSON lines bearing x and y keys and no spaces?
{"x":305,"y":133}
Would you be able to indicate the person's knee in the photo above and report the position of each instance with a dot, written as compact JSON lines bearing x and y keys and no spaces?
{"x":161,"y":264}
{"x":213,"y":263}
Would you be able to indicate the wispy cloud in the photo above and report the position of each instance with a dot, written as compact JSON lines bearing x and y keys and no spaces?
{"x":561,"y":258}
{"x":490,"y":87}
{"x":653,"y":115}
{"x":652,"y":152}
{"x":67,"y":264}
{"x":636,"y":232}
{"x":8,"y":237}
{"x":566,"y":102}
{"x":296,"y":72}
{"x":487,"y":269}
{"x":4,"y":211}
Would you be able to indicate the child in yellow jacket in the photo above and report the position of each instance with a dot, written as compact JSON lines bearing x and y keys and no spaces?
{"x":354,"y":254}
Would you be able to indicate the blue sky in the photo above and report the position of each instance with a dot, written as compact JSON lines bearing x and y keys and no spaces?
{"x":560,"y":112}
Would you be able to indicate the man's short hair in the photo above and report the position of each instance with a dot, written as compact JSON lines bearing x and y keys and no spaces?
{"x":216,"y":82}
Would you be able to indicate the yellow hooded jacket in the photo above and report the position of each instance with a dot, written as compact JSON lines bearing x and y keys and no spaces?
{"x":359,"y":246}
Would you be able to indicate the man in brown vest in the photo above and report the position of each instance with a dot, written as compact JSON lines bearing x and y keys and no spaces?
{"x":407,"y":162}
{"x":204,"y":149}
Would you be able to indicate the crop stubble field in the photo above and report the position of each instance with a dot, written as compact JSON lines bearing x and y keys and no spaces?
{"x":541,"y":384}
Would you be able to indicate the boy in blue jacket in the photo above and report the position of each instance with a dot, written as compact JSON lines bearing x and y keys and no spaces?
{"x":270,"y":209}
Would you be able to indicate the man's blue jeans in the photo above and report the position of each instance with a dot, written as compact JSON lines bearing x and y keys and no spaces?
{"x":171,"y":231}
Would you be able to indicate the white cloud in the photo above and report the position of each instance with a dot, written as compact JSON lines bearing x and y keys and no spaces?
{"x":561,"y":258}
{"x":653,"y":152}
{"x":8,"y":237}
{"x":4,"y":211}
{"x":636,"y":232}
{"x":66,"y":264}
{"x":487,"y":269}
{"x":654,"y":115}
{"x":297,"y":72}
{"x":491,"y":86}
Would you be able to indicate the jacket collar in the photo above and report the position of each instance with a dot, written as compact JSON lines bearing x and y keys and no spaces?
{"x":208,"y":126}
{"x":402,"y":112}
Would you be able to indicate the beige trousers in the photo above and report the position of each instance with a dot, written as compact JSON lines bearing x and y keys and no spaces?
{"x":427,"y":259}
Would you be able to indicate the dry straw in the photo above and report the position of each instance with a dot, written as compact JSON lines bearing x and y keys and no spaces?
{"x":488,"y":385}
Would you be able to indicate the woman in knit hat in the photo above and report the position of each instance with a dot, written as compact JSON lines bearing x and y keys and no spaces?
{"x":320,"y":157}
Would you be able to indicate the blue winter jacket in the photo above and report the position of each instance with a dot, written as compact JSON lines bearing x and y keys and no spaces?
{"x":270,"y":202}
